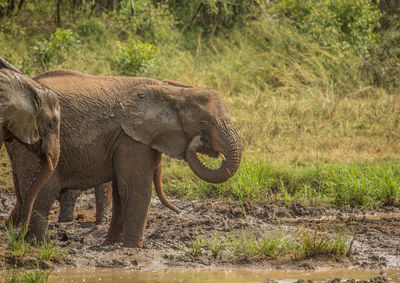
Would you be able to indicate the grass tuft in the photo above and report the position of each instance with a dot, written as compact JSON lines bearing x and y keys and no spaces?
{"x":301,"y":244}
{"x":23,"y":276}
{"x":312,"y":244}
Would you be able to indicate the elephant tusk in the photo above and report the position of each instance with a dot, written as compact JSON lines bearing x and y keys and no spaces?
{"x":50,"y":162}
{"x":220,"y":154}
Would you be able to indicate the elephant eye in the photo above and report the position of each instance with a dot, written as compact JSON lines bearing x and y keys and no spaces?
{"x":52,"y":124}
{"x":204,"y":123}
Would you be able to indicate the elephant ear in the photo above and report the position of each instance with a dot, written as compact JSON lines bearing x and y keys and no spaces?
{"x":149,"y":117}
{"x":20,"y":100}
{"x":5,"y":64}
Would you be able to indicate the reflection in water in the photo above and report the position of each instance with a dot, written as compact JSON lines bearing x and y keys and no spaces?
{"x":212,"y":275}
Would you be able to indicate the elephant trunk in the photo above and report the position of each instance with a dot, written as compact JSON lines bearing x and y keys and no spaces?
{"x":231,"y":153}
{"x":51,"y":148}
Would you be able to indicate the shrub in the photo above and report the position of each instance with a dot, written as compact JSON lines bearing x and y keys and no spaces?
{"x":353,"y":23}
{"x":382,"y":67}
{"x":132,"y":57}
{"x":55,"y":49}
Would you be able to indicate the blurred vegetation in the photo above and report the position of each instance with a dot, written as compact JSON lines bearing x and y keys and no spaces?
{"x":312,"y":86}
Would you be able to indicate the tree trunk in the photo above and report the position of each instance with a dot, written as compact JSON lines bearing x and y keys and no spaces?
{"x":132,"y":8}
{"x":58,"y":19}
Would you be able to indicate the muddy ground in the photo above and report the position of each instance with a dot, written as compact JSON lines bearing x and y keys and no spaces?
{"x":375,"y":235}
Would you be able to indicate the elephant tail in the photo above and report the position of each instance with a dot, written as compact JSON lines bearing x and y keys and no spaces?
{"x":158,"y":185}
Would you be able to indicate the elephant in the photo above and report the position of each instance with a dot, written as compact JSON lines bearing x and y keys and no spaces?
{"x":115,"y":129}
{"x":67,"y":199}
{"x":30,"y":115}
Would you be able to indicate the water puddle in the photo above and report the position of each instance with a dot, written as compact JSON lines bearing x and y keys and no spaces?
{"x":213,"y":275}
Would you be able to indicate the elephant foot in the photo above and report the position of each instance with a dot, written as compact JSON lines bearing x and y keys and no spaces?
{"x":103,"y":219}
{"x":102,"y":214}
{"x":37,"y":228}
{"x":112,"y":238}
{"x":65,"y":218}
{"x":15,"y":218}
{"x":133,"y":244}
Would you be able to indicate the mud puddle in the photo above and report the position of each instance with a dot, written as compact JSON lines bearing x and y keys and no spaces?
{"x":222,"y":275}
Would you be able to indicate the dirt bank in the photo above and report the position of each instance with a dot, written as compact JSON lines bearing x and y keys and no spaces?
{"x":169,"y":237}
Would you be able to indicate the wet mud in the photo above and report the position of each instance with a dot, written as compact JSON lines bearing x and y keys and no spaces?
{"x":374,"y":236}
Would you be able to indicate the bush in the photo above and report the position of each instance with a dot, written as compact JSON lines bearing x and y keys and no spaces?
{"x":56,"y":49}
{"x":382,"y":67}
{"x":210,"y":15}
{"x":353,"y":23}
{"x":133,"y":58}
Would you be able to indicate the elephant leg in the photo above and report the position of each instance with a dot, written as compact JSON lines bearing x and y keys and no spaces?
{"x":67,"y":200}
{"x":16,"y":212}
{"x":102,"y":193}
{"x":41,"y":209}
{"x":116,"y":224}
{"x":134,"y":165}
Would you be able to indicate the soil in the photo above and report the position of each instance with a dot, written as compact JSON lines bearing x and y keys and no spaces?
{"x":375,"y":236}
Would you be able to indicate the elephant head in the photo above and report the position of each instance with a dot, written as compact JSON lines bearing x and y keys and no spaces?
{"x":30,"y":113}
{"x":182,"y":121}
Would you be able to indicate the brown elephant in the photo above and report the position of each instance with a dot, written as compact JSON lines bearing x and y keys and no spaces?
{"x":115,"y":129}
{"x":67,"y":200}
{"x":29,"y":115}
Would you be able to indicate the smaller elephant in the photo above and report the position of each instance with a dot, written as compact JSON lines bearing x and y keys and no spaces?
{"x":68,"y":197}
{"x":29,"y":114}
{"x":103,"y":195}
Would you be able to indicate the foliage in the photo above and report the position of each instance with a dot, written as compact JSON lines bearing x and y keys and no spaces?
{"x":133,"y":58}
{"x":352,"y":23}
{"x":56,"y":49}
{"x":46,"y":250}
{"x":340,"y":185}
{"x":312,"y":244}
{"x":21,"y":276}
{"x":19,"y":247}
{"x":16,"y":241}
{"x":299,"y":244}
{"x":213,"y":14}
{"x":252,"y":246}
{"x":382,"y":66}
{"x":195,"y":246}
{"x":153,"y":23}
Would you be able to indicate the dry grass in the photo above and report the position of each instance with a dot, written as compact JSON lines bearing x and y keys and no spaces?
{"x":292,"y":100}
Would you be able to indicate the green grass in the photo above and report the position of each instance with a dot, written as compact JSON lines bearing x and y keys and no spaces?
{"x":252,"y":246}
{"x":312,"y":244}
{"x":16,"y":242}
{"x":47,"y":251}
{"x":301,"y":244}
{"x":20,"y":247}
{"x":366,"y":185}
{"x":24,"y":276}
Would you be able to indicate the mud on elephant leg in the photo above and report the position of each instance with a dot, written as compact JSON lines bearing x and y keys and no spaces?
{"x":67,"y":200}
{"x":116,"y":225}
{"x":68,"y":197}
{"x":103,"y":200}
{"x":41,"y":209}
{"x":134,"y":164}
